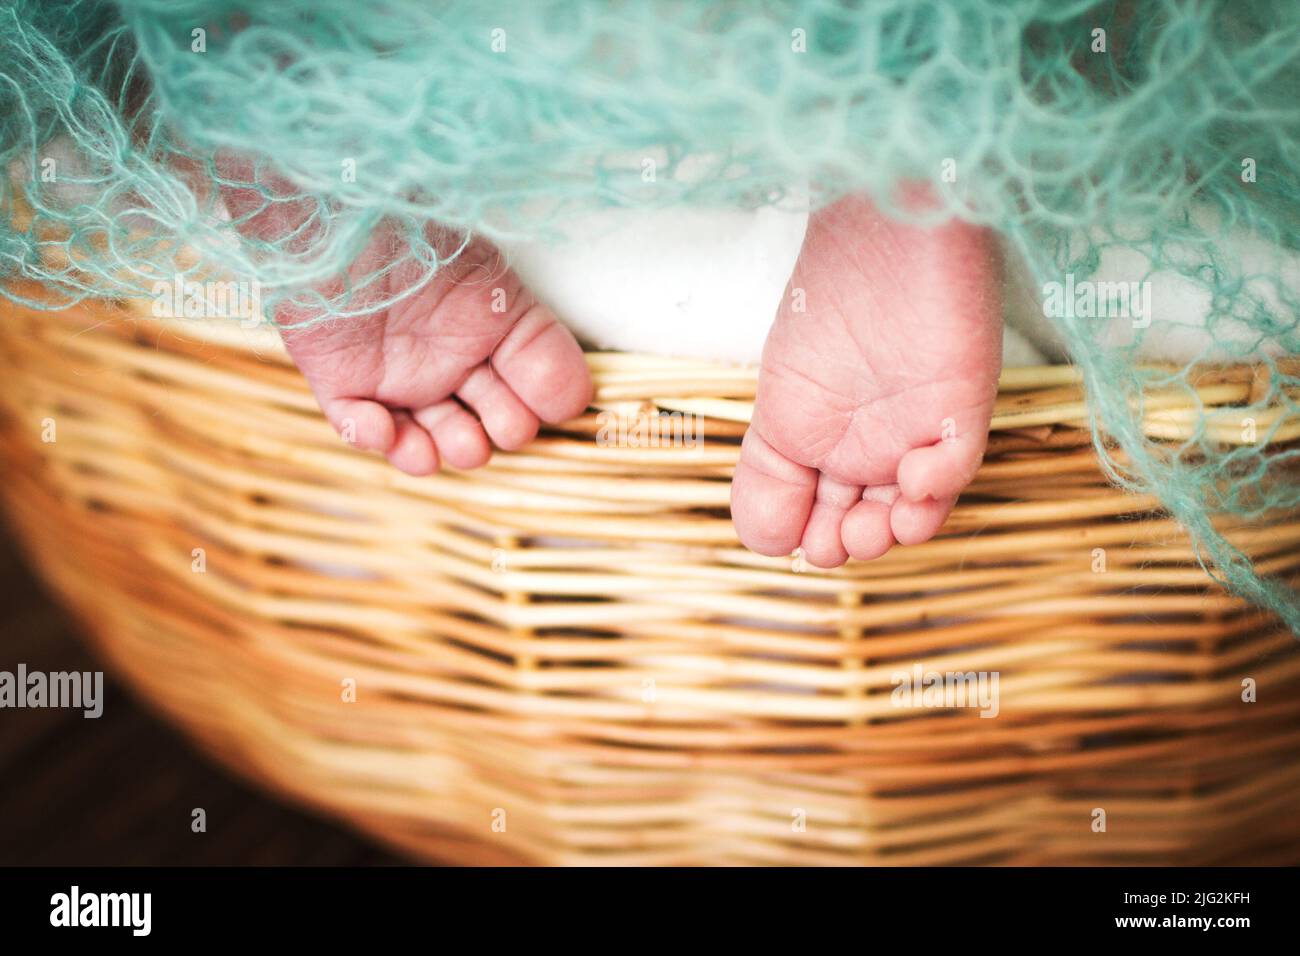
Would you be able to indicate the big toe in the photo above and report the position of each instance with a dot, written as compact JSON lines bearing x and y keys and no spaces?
{"x":543,"y":364}
{"x":771,"y":498}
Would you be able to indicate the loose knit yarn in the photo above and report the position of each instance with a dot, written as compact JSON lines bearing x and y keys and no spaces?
{"x":1074,"y":128}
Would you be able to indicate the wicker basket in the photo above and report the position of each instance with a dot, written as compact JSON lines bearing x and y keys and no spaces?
{"x":566,"y":657}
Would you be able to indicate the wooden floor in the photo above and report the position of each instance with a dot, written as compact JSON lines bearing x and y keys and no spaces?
{"x":120,"y":790}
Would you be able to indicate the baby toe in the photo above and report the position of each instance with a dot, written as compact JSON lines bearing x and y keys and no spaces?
{"x":457,"y":434}
{"x":822,"y":544}
{"x":413,"y":451}
{"x":915,"y":522}
{"x":944,"y":469}
{"x":505,"y":417}
{"x":866,"y":532}
{"x":771,"y":498}
{"x":543,"y":364}
{"x":361,"y":423}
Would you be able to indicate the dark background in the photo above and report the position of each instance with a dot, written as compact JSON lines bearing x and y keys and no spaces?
{"x":119,"y":790}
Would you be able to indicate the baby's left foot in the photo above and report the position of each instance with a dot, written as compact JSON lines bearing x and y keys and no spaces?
{"x":471,"y":361}
{"x":876,"y":389}
{"x":448,"y":369}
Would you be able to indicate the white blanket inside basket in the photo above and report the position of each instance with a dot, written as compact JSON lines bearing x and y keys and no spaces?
{"x":699,"y":283}
{"x":706,"y":283}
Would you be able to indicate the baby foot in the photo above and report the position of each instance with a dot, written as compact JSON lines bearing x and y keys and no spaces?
{"x":876,"y":387}
{"x":471,"y":361}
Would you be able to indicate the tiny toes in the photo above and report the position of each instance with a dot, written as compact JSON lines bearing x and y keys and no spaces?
{"x":941,"y":470}
{"x":457,"y":434}
{"x":915,"y":522}
{"x":363,"y":424}
{"x":505,"y":417}
{"x":866,"y":532}
{"x":413,"y":451}
{"x":822,"y":544}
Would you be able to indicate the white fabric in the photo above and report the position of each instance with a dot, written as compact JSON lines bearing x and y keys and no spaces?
{"x":707,"y":283}
{"x":688,"y":283}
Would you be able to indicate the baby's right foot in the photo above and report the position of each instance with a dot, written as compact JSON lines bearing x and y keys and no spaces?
{"x":876,"y":389}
